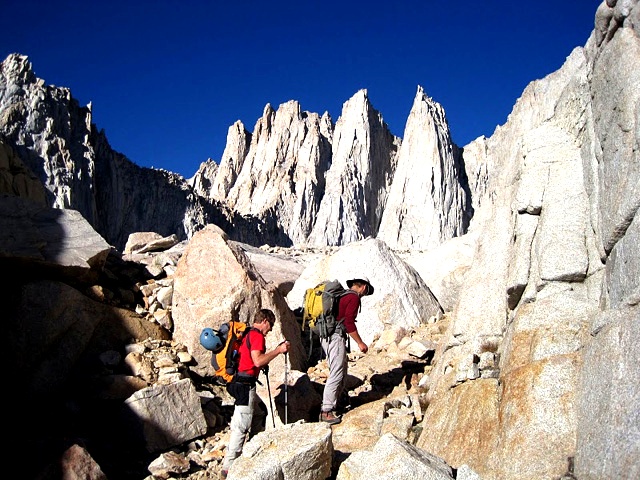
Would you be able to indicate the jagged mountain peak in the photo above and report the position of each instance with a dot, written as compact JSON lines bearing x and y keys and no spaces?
{"x":429,"y":199}
{"x":18,"y":69}
{"x":422,"y":101}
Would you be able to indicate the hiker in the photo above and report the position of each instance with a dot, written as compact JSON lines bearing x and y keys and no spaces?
{"x":243,"y":385}
{"x":335,"y":347}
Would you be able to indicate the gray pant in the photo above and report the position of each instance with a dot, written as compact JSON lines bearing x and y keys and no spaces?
{"x":335,"y":349}
{"x":243,"y":422}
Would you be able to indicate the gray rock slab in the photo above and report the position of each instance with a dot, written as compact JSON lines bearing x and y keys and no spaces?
{"x":60,"y":238}
{"x":394,"y":459}
{"x":300,"y":451}
{"x":168,"y":415}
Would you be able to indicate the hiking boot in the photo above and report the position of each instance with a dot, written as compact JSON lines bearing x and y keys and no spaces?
{"x":330,"y":417}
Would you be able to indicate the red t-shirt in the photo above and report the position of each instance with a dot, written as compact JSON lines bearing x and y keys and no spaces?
{"x":348,"y":309}
{"x":257,"y":340}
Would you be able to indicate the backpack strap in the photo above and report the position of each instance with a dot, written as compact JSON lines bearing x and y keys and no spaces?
{"x":246,"y":338}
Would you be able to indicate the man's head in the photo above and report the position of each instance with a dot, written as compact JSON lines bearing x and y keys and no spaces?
{"x":362,"y":285}
{"x":264,"y":320}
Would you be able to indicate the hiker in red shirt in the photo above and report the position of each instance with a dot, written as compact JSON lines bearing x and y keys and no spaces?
{"x":335,"y":347}
{"x":253,"y":357}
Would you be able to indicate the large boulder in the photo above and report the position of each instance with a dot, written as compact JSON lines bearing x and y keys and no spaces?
{"x":215,"y":282}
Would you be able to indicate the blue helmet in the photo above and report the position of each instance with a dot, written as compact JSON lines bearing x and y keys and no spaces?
{"x":210,"y":340}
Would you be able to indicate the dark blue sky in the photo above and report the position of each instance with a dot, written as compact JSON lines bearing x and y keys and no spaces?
{"x":168,"y":78}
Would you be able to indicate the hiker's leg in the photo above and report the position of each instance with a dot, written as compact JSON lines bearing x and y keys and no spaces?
{"x":259,"y":414}
{"x":337,"y":358}
{"x":240,"y":426}
{"x":347,"y":350}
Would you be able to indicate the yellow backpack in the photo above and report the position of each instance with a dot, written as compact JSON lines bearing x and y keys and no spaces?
{"x":320,"y":309}
{"x":312,"y":308}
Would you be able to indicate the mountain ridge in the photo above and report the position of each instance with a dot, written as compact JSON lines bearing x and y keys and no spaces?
{"x":289,"y":177}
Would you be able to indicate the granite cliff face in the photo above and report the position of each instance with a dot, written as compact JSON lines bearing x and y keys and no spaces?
{"x":56,"y":140}
{"x":556,"y":207}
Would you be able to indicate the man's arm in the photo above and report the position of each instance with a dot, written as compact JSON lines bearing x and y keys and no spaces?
{"x":361,"y":345}
{"x":261,"y":359}
{"x":349,"y":306}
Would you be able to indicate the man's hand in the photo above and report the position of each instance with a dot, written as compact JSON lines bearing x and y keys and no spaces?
{"x":284,"y":346}
{"x":355,"y":336}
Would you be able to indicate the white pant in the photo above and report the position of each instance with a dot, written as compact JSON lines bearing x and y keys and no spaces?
{"x":336,"y":351}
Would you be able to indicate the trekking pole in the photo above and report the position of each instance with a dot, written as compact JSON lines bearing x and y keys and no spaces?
{"x":273,"y":418}
{"x":286,"y":383}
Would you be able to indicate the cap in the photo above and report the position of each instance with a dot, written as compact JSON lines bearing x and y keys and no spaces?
{"x":361,"y":279}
